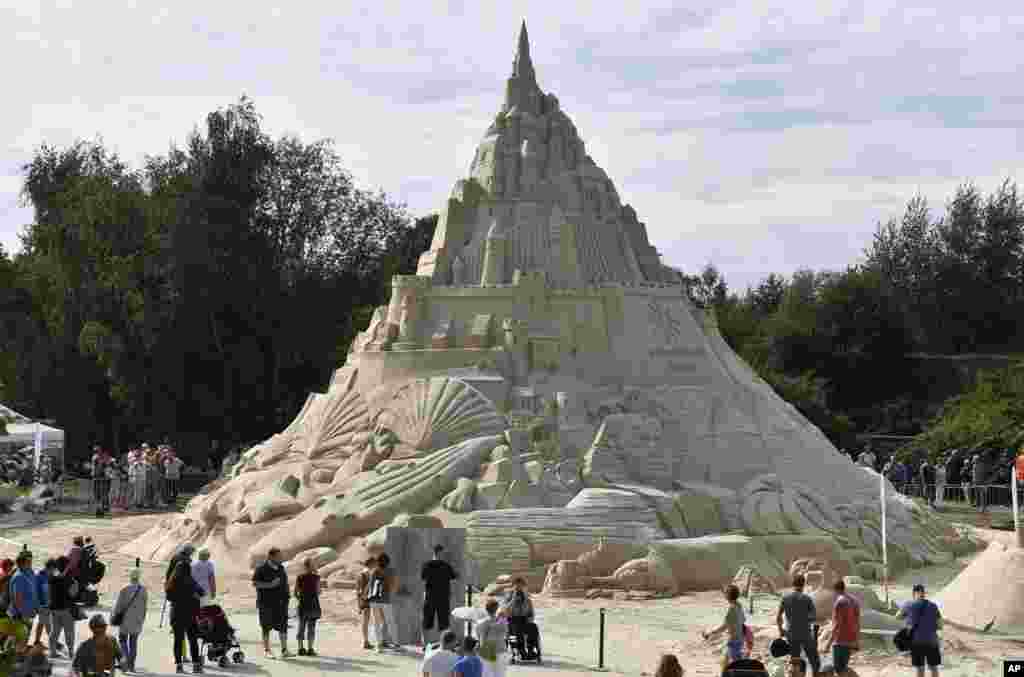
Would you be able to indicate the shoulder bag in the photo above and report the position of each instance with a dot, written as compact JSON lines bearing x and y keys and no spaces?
{"x":118,"y":618}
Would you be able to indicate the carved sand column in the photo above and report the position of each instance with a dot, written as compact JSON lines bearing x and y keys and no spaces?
{"x":407,"y":293}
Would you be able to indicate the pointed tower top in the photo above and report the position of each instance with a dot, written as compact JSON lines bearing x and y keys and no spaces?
{"x":522,"y":66}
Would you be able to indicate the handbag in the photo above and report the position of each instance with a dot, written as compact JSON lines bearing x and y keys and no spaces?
{"x":904,"y":638}
{"x":118,"y":618}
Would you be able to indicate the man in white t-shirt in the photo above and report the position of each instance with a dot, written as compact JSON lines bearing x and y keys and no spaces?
{"x":203,"y":573}
{"x":441,"y":662}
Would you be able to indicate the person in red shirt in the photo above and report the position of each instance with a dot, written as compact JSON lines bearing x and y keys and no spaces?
{"x":845,"y":637}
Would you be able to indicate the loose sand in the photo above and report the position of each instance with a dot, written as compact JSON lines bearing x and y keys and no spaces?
{"x":637,"y":632}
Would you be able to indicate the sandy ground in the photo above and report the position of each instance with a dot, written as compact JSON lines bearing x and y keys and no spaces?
{"x":636,"y":632}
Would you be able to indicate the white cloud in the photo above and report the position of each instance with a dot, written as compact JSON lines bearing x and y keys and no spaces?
{"x":760,"y":137}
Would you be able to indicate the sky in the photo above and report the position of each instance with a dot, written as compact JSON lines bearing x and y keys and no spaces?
{"x":760,"y":137}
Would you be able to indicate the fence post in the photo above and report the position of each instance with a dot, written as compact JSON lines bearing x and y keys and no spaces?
{"x":469,"y":603}
{"x":600,"y":640}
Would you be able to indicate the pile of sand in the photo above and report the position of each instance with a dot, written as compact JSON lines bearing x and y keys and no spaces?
{"x":991,"y":587}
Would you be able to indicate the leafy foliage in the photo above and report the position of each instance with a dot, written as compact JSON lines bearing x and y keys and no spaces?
{"x":202,"y":295}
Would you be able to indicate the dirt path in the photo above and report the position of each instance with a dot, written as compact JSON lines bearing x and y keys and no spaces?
{"x":636,"y":632}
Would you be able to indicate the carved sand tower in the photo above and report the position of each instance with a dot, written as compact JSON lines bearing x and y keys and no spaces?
{"x":541,"y":305}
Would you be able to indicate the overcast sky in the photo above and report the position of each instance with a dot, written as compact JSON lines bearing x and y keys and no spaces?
{"x":759,"y":139}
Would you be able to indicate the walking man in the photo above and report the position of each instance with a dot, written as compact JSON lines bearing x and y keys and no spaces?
{"x":845,"y":637}
{"x":798,"y":610}
{"x":924,"y":617}
{"x":437,"y":577}
{"x":271,"y":582}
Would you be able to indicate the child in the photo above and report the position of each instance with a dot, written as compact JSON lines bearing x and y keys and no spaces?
{"x":307,"y":591}
{"x":362,"y":586}
{"x":732,"y":625}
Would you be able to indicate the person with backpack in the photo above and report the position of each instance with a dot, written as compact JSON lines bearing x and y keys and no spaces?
{"x":925,"y":621}
{"x":363,"y":604}
{"x":43,"y":621}
{"x":797,"y":608}
{"x":183,"y":593}
{"x":383,"y":584}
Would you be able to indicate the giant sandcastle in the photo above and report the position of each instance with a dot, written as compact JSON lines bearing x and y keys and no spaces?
{"x":543,"y":382}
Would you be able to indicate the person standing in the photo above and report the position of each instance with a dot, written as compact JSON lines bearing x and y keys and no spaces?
{"x":979,"y":476}
{"x":845,"y":638}
{"x":183,"y":593}
{"x":129,"y":615}
{"x":23,"y":592}
{"x":172,"y":471}
{"x":204,"y":573}
{"x":362,"y":601}
{"x":492,"y":634}
{"x":798,"y":610}
{"x":307,"y":592}
{"x":940,"y":481}
{"x":437,"y":576}
{"x":43,"y":619}
{"x":925,"y":621}
{"x":62,"y":611}
{"x":383,"y":584}
{"x":271,"y":582}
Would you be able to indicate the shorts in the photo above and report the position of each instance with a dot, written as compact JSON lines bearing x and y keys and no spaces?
{"x":734,"y":649}
{"x":439,"y":608}
{"x":840,"y":657}
{"x":922,"y":653}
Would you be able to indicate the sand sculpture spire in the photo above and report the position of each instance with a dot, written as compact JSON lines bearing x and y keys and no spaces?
{"x":522,"y":66}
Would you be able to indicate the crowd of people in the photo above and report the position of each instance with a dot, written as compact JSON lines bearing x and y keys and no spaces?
{"x":48,"y":601}
{"x":958,"y":474}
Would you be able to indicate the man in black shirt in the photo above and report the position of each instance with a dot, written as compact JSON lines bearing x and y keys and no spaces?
{"x":437,"y":577}
{"x":271,"y":583}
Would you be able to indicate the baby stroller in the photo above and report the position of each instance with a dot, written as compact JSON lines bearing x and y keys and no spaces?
{"x":746,"y":667}
{"x":91,"y":573}
{"x":520,"y":648}
{"x":217,"y":637}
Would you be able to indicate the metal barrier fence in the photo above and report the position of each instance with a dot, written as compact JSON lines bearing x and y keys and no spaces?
{"x":975,"y":494}
{"x":123,"y":494}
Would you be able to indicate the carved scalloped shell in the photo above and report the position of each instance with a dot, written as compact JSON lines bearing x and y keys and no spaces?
{"x":439,"y":411}
{"x":334,"y":425}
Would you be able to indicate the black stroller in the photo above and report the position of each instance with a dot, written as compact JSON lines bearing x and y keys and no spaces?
{"x":217,"y":637}
{"x":520,"y":648}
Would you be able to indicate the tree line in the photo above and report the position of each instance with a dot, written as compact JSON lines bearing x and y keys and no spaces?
{"x":199,"y":297}
{"x":840,"y":344}
{"x":202,"y":296}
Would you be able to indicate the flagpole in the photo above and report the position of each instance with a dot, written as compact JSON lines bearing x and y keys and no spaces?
{"x":885,"y":547}
{"x":1016,"y":515}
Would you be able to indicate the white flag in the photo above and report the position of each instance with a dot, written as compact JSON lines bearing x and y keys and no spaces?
{"x":39,"y":443}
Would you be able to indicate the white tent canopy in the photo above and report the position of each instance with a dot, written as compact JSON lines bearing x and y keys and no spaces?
{"x":22,"y":431}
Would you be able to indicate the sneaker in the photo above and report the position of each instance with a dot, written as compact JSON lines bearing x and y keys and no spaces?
{"x":302,"y":652}
{"x":197,"y":669}
{"x":179,"y":669}
{"x":285,"y":653}
{"x":310,"y":652}
{"x":269,"y":654}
